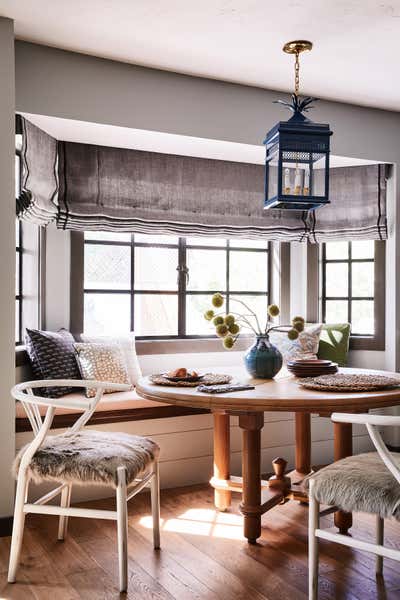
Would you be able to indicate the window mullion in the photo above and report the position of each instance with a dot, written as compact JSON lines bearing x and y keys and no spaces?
{"x":182,"y":286}
{"x":228,"y":261}
{"x":132,"y":290}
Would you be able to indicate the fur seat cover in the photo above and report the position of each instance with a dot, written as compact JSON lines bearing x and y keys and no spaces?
{"x":360,"y":483}
{"x":89,"y":456}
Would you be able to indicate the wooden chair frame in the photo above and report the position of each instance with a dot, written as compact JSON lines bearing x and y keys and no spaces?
{"x":372,"y":422}
{"x":41,"y":426}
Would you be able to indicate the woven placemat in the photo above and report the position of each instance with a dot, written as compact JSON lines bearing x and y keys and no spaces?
{"x":342,"y":382}
{"x":207,"y":379}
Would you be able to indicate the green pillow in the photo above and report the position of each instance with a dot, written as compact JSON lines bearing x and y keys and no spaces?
{"x":334,"y":343}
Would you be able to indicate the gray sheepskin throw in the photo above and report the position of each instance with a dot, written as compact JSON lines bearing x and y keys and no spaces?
{"x":89,"y":456}
{"x":359,"y":483}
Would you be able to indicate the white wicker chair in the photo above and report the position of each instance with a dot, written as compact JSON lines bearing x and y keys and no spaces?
{"x":126,"y":486}
{"x":355,"y":483}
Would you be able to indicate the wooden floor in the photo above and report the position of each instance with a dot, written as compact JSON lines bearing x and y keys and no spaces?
{"x":203,"y":556}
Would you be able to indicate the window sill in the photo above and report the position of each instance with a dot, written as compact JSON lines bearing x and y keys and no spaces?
{"x":359,"y":342}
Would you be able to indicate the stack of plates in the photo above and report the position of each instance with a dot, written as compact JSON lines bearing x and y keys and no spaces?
{"x":312,"y":368}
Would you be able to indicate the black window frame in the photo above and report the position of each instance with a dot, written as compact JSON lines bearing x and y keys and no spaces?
{"x":360,"y":341}
{"x":183,"y":276}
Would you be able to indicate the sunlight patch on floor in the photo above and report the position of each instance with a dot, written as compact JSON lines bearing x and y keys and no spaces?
{"x":199,"y":521}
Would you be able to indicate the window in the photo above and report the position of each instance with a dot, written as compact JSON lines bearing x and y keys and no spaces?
{"x":353,"y":282}
{"x":29,"y":272}
{"x":18,"y":258}
{"x":161,"y":287}
{"x":18,"y":283}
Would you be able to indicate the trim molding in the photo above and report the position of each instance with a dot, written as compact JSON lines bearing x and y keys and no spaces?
{"x":116,"y":416}
{"x":6,"y":524}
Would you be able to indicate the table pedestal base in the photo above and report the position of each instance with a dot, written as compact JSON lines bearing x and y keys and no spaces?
{"x":259,"y":496}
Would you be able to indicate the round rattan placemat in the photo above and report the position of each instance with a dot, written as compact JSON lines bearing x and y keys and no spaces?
{"x":342,"y":382}
{"x":207,"y":379}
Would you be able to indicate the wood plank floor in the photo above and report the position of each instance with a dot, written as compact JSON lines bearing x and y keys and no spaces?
{"x":203,"y":556}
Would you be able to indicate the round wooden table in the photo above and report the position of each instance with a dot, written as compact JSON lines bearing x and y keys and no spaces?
{"x":280,"y":394}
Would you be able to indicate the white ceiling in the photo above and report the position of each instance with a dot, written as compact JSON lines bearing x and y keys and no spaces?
{"x":355,"y":56}
{"x":155,"y":141}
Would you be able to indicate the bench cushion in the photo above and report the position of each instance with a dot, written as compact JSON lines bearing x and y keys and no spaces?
{"x":114,"y":401}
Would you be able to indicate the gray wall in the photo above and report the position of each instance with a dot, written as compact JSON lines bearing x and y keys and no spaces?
{"x":7,"y":262}
{"x":64,"y":84}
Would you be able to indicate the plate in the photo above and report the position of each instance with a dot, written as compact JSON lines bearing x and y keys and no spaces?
{"x":187,"y":378}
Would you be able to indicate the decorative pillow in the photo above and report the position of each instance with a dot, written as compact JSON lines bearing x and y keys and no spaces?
{"x":102,"y":362}
{"x":52,"y":356}
{"x":334,"y":342}
{"x":128,"y":347}
{"x":305,"y":347}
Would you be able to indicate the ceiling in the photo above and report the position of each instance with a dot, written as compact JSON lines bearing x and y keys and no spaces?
{"x":155,"y":141}
{"x":355,"y":56}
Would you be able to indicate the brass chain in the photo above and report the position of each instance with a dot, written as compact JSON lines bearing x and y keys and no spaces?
{"x":296,"y":74}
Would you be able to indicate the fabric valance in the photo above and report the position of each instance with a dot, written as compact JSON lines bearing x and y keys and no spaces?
{"x":37,"y":200}
{"x":95,"y":188}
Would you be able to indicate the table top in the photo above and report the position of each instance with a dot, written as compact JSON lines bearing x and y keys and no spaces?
{"x":280,"y":394}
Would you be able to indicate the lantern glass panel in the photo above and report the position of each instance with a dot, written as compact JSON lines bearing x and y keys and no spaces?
{"x":319,"y":177}
{"x":272,"y":180}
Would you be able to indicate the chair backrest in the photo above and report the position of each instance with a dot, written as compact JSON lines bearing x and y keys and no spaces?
{"x":31,"y":402}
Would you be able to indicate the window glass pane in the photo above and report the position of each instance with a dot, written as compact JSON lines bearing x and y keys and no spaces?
{"x":248,"y":271}
{"x":17,"y":233}
{"x":336,"y":311}
{"x":207,"y":270}
{"x":336,"y":279}
{"x":196,"y":305}
{"x":17,"y":259}
{"x":362,"y":321}
{"x":156,"y":239}
{"x":107,"y":236}
{"x":107,"y":267}
{"x":156,"y":314}
{"x":17,"y":336}
{"x":17,"y":175}
{"x":257,"y":304}
{"x":363,"y":279}
{"x":363,"y":249}
{"x":155,"y":268}
{"x":337,"y":250}
{"x":239,"y":243}
{"x":205,"y":241}
{"x":107,"y":313}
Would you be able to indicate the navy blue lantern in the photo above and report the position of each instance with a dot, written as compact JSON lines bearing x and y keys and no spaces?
{"x":297,"y":154}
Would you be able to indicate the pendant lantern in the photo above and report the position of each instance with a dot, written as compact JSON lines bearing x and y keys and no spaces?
{"x":297,"y":153}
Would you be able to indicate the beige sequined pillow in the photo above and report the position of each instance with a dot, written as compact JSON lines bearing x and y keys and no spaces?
{"x":102,"y":362}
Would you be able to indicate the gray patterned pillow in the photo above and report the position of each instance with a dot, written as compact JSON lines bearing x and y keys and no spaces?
{"x":103,"y":362}
{"x":52,"y":356}
{"x":305,"y":347}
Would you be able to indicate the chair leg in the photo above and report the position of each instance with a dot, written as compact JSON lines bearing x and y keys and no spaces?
{"x":63,"y":521}
{"x":18,"y":525}
{"x":380,"y":524}
{"x":313,"y":524}
{"x":155,"y":504}
{"x":122,"y":529}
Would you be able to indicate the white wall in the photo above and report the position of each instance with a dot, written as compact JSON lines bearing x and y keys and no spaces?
{"x":7,"y":260}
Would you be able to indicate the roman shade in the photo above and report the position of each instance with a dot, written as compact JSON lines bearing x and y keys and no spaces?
{"x":113,"y":189}
{"x":358,"y":206}
{"x":37,"y":198}
{"x":96,"y":188}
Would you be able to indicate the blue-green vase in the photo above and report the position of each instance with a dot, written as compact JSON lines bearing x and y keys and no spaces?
{"x":263,"y":360}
